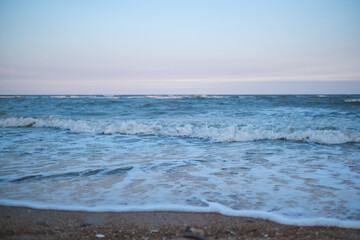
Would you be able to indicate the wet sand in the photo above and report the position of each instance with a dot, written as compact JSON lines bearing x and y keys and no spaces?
{"x":27,"y":223}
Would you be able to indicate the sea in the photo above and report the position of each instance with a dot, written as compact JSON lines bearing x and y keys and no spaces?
{"x":293,"y":159}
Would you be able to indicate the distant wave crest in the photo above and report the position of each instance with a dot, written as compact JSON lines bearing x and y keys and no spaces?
{"x":178,"y":96}
{"x":353,"y":100}
{"x":8,"y":96}
{"x":203,"y":131}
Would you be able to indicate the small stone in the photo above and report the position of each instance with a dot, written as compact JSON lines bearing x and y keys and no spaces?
{"x":87,"y":224}
{"x":99,"y":236}
{"x":195,"y":233}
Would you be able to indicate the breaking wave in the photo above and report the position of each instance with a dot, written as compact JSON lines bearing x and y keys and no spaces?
{"x":215,"y":133}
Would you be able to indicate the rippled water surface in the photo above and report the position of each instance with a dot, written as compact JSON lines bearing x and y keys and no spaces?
{"x":294,"y":156}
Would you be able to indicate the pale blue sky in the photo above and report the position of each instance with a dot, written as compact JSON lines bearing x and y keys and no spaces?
{"x":184,"y":46}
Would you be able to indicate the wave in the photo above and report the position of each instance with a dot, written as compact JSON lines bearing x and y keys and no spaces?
{"x":82,"y":96}
{"x":85,"y":173}
{"x":209,"y":96}
{"x":164,"y":97}
{"x":352,"y":100}
{"x":8,"y":96}
{"x":159,"y":96}
{"x":65,"y":96}
{"x":178,"y":96}
{"x":217,"y":133}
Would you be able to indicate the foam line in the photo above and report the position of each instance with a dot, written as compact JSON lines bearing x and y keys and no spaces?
{"x":213,"y":208}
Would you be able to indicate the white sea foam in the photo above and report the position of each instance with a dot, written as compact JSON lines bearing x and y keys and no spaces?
{"x":215,"y":133}
{"x":10,"y":96}
{"x":353,"y":100}
{"x":178,"y":96}
{"x":159,"y":96}
{"x":80,"y":96}
{"x":209,"y":96}
{"x":213,"y":207}
{"x":165,"y":97}
{"x":136,"y":97}
{"x":58,"y":96}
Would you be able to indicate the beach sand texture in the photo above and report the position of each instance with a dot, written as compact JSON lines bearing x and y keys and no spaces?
{"x":27,"y":223}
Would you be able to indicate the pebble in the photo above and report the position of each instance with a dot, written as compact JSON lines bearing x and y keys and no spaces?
{"x":87,"y":224}
{"x":195,"y":233}
{"x":99,"y":235}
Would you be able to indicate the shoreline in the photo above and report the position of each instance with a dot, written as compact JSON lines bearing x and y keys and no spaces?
{"x":30,"y":223}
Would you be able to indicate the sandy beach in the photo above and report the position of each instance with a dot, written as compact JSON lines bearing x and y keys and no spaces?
{"x":28,"y":223}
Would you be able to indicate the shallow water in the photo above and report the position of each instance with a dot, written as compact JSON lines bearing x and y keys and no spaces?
{"x":290,"y":157}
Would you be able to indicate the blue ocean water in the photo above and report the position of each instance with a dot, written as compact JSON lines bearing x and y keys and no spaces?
{"x":290,"y":158}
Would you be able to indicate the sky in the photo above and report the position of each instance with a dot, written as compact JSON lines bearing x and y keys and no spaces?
{"x":179,"y":47}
